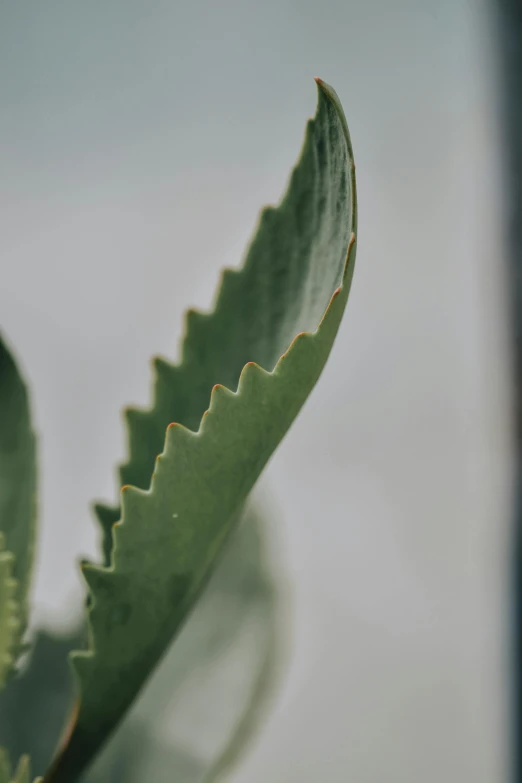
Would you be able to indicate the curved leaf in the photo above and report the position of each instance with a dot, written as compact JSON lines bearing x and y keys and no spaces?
{"x":17,"y":477}
{"x":279,"y":314}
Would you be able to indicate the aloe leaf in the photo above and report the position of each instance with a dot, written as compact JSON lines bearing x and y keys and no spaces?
{"x":278,"y":315}
{"x":17,"y":477}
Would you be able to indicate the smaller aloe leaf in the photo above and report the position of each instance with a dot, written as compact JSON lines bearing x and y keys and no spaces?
{"x":17,"y":477}
{"x":9,"y":614}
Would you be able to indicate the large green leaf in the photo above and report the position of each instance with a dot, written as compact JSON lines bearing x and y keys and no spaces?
{"x":17,"y":477}
{"x":263,"y":348}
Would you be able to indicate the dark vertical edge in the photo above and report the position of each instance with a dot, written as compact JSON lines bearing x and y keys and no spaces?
{"x":509,"y":36}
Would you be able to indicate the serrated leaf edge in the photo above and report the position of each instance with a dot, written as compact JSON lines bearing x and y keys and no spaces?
{"x":109,"y":515}
{"x":10,"y":621}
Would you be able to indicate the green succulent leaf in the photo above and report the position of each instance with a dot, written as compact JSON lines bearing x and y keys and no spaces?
{"x":9,"y":613}
{"x":261,"y":351}
{"x":17,"y":479}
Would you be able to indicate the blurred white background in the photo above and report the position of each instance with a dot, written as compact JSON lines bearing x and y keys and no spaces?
{"x":137,"y":143}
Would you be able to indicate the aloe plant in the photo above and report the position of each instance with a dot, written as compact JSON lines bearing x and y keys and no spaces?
{"x":216,"y":418}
